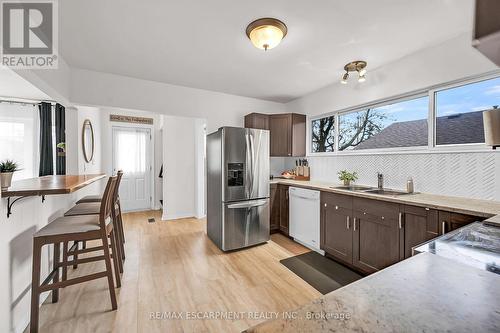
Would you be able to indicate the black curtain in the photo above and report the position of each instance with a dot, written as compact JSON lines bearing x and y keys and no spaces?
{"x":60,"y":138}
{"x":46,"y":154}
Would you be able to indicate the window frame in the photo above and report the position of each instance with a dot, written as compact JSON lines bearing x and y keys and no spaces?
{"x":431,"y":146}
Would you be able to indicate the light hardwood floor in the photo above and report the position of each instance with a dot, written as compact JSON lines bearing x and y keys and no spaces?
{"x":173,"y":267}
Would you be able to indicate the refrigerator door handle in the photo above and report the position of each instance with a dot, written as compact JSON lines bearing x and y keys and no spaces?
{"x":247,"y":204}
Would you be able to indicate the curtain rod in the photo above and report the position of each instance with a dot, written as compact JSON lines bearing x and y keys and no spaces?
{"x":23,"y":101}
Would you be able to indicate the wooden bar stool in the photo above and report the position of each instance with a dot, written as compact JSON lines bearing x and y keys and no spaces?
{"x":98,"y":198}
{"x":74,"y":228}
{"x":92,"y":208}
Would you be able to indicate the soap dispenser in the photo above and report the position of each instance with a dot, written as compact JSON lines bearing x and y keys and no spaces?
{"x":409,"y":185}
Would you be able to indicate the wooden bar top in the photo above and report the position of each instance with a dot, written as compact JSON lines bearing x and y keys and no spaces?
{"x":48,"y":185}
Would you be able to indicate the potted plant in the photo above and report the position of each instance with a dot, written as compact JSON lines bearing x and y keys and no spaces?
{"x":7,"y":169}
{"x":347,"y":177}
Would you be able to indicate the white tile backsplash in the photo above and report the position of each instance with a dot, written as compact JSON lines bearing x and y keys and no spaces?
{"x":468,"y":174}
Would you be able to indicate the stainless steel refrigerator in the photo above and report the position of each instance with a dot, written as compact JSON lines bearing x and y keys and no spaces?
{"x":238,"y":187}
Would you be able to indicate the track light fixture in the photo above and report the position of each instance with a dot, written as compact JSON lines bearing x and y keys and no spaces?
{"x":355,"y":66}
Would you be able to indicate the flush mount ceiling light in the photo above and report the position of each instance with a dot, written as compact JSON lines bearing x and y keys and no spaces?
{"x":355,"y":66}
{"x":266,"y":33}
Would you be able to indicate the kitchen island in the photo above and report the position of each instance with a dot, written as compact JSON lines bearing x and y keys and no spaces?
{"x":425,"y":293}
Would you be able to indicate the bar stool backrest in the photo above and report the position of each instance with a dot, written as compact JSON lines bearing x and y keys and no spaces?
{"x":107,"y":201}
{"x":119,"y":175}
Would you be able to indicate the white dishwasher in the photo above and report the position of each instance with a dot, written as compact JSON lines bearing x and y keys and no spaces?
{"x":305,"y":217}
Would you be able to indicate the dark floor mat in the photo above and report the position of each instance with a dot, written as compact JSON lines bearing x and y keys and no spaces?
{"x":324,"y":274}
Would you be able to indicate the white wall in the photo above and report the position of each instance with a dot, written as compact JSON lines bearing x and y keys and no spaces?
{"x":474,"y":175}
{"x":108,"y":90}
{"x":29,"y":215}
{"x":179,"y":167}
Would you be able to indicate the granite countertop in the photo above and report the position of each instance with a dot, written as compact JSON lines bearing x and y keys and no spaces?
{"x":484,"y":208}
{"x":476,"y":245}
{"x":425,"y":293}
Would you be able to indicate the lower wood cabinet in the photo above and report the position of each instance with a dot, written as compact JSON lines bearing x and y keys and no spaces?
{"x":376,"y":234}
{"x":279,"y":204}
{"x":336,"y":226}
{"x":419,"y":225}
{"x":370,"y":234}
{"x":284,"y":209}
{"x":274,"y":203}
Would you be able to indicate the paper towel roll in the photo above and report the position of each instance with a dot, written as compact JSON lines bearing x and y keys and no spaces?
{"x":491,"y":120}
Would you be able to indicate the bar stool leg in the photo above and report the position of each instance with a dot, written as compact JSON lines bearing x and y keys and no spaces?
{"x":65,"y":259}
{"x":116,"y":237}
{"x":75,"y":256}
{"x":56,"y":261}
{"x":107,"y":260}
{"x":116,"y":259}
{"x":35,"y":285}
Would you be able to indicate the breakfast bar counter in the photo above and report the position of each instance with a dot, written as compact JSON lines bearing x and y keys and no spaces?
{"x":47,"y":185}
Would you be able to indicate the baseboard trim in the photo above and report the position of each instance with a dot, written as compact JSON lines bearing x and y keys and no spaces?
{"x":167,"y":217}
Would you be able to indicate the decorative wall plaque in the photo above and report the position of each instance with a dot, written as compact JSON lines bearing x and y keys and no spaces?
{"x":131,"y":119}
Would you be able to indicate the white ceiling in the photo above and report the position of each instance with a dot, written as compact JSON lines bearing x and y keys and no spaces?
{"x":14,"y":86}
{"x":202,"y":44}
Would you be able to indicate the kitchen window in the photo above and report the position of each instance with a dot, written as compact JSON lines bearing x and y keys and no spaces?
{"x":400,"y":124}
{"x":323,"y":135}
{"x":437,"y":118}
{"x":459,"y":111}
{"x":18,"y":142}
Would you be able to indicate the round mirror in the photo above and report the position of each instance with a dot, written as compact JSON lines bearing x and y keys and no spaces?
{"x":88,"y":141}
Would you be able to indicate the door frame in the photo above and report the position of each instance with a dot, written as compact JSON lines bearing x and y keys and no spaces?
{"x":150,"y":128}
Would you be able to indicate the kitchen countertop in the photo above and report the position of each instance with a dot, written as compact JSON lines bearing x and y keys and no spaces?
{"x":476,"y":245}
{"x":484,"y":208}
{"x":425,"y":293}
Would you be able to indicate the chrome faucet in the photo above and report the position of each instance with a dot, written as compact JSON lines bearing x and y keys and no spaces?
{"x":380,"y":178}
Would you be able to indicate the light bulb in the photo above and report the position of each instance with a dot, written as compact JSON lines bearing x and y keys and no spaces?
{"x":362,"y":78}
{"x":362,"y":72}
{"x":344,"y":78}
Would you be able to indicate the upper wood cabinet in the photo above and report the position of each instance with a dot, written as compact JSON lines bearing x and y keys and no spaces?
{"x":287,"y":132}
{"x":257,"y":120}
{"x":487,"y":29}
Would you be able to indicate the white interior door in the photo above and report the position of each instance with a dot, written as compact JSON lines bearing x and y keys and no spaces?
{"x":132,"y":154}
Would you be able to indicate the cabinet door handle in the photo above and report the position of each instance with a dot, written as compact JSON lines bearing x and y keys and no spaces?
{"x":326,"y":204}
{"x":348,"y":222}
{"x":443,"y":227}
{"x":354,"y":224}
{"x":400,"y":221}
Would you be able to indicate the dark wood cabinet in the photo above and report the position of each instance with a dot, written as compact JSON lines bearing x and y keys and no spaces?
{"x":274,"y":203}
{"x":336,"y":226}
{"x":288,"y":134}
{"x":284,"y":209}
{"x":449,"y":221}
{"x":487,"y":29}
{"x":419,"y":225}
{"x":257,"y":120}
{"x":376,"y":234}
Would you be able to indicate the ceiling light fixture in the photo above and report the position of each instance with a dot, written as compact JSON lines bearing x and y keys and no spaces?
{"x":355,"y":66}
{"x":266,"y":33}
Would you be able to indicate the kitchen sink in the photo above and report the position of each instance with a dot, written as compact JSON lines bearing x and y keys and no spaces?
{"x":386,"y":192}
{"x":353,"y":187}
